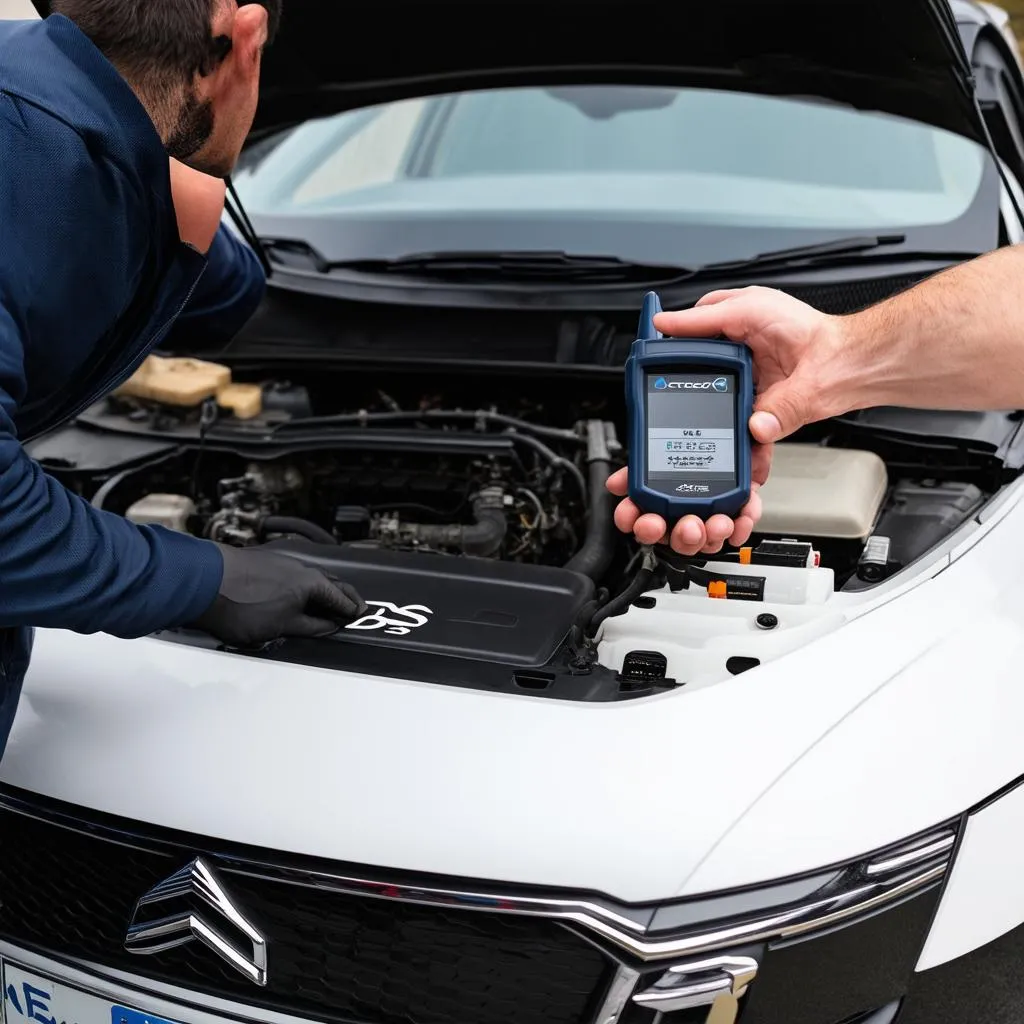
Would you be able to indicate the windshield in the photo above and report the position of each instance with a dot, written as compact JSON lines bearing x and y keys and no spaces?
{"x":747,"y":167}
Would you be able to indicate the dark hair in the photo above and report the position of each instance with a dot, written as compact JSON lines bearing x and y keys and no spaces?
{"x":162,"y":41}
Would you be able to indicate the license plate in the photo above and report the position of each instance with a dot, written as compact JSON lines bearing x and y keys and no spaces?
{"x":31,"y":998}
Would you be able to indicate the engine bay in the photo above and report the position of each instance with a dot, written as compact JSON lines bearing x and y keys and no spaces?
{"x":471,"y":513}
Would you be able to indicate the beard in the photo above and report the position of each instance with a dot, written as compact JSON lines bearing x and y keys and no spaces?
{"x":191,"y":133}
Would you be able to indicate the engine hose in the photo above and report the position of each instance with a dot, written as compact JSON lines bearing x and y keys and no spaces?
{"x":300,"y":527}
{"x":598,"y":549}
{"x":619,"y":604}
{"x":484,"y":537}
{"x":553,"y":457}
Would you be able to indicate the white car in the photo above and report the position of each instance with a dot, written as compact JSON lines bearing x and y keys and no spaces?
{"x":524,"y":788}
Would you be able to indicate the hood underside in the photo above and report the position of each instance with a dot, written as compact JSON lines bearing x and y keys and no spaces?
{"x":901,"y":57}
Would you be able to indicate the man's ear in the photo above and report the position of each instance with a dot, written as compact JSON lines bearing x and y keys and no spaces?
{"x":249,"y":33}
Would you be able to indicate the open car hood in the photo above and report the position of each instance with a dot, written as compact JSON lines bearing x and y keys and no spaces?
{"x":902,"y":57}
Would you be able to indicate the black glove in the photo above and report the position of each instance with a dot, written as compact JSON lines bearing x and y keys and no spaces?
{"x":264,"y":596}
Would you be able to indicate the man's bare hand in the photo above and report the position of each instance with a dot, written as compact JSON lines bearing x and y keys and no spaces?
{"x":691,"y":534}
{"x":198,"y":204}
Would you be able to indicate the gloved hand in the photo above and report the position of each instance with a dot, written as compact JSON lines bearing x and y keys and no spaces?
{"x":265,"y":596}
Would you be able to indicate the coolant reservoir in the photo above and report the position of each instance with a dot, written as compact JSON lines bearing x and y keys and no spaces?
{"x":186,"y":383}
{"x":176,"y":381}
{"x":172,"y":511}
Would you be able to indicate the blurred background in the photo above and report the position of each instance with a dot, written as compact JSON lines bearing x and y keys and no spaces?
{"x":1016,"y":9}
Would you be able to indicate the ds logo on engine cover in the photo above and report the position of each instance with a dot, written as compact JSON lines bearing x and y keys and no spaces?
{"x":397,"y":620}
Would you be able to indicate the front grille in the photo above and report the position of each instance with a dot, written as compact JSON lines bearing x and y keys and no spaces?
{"x":330,"y":956}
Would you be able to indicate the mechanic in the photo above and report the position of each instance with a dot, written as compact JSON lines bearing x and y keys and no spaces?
{"x":954,"y":341}
{"x":119,"y":120}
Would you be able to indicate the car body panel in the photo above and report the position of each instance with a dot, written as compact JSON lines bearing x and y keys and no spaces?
{"x":938,"y":738}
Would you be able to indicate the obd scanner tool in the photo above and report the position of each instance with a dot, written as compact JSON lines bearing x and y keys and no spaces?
{"x":688,"y":405}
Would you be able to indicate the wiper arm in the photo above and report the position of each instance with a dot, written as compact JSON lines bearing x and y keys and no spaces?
{"x":805,"y":253}
{"x":295,"y":253}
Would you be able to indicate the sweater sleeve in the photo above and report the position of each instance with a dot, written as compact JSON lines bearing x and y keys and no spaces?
{"x":227,"y":295}
{"x":64,"y":563}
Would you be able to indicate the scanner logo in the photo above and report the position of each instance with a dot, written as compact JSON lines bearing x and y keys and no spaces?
{"x":720,"y":384}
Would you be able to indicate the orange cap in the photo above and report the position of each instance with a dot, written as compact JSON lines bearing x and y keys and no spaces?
{"x":716,"y":588}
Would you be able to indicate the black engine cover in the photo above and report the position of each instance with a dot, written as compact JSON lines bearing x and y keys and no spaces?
{"x":453,"y":620}
{"x":468,"y":608}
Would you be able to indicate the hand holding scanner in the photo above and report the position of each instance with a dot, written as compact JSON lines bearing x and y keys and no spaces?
{"x":689,"y":403}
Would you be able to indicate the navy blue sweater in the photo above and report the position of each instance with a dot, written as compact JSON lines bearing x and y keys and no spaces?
{"x":93,"y":276}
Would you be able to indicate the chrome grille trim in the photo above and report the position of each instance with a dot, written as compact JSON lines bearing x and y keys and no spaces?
{"x":935,"y":848}
{"x":621,"y":989}
{"x":865,"y":885}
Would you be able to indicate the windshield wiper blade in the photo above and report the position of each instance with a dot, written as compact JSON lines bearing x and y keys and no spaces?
{"x":478,"y":266}
{"x":525,"y":265}
{"x":818,"y":251}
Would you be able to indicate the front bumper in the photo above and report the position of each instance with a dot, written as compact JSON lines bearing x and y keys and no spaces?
{"x":126,"y":926}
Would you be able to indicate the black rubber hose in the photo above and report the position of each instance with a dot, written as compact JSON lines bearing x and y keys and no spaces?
{"x":300,"y":527}
{"x":619,"y":604}
{"x":553,"y":457}
{"x":484,"y":537}
{"x":598,"y":549}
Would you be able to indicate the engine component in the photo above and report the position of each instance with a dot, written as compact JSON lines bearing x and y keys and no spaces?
{"x":174,"y":511}
{"x":417,"y":475}
{"x":184,"y":383}
{"x":918,"y":516}
{"x":703,"y":640}
{"x":290,"y":400}
{"x":776,"y":584}
{"x":598,"y":549}
{"x":483,"y":537}
{"x":244,"y":400}
{"x":298,"y":527}
{"x":247,"y":501}
{"x":176,"y":381}
{"x":262,"y":480}
{"x":875,"y":562}
{"x":794,"y":553}
{"x":832,"y":493}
